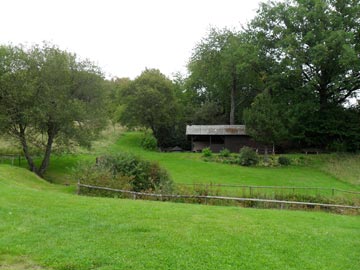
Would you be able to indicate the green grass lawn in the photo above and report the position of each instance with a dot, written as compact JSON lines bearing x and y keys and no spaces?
{"x":190,"y":168}
{"x":327,"y":171}
{"x":42,"y":226}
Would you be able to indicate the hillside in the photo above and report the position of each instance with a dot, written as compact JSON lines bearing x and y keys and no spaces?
{"x":315,"y":171}
{"x":329,"y":171}
{"x":43,"y":225}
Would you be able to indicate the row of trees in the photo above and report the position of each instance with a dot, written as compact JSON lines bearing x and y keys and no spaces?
{"x":288,"y":75}
{"x":291,"y":75}
{"x":302,"y":58}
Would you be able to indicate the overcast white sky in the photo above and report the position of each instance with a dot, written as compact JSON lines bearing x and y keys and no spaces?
{"x":122,"y":36}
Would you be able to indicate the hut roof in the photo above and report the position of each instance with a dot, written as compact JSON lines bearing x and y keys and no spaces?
{"x":215,"y":130}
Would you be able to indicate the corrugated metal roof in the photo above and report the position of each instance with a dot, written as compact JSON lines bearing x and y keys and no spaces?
{"x":215,"y":130}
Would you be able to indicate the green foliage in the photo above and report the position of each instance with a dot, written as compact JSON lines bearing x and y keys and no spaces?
{"x":151,"y":104}
{"x":263,"y":120}
{"x":206,"y":152}
{"x":224,"y":153}
{"x":285,"y":161}
{"x":311,"y":49}
{"x":49,"y":99}
{"x":101,"y":176}
{"x":146,"y":175}
{"x":248,"y":157}
{"x":149,"y":142}
{"x":209,"y":113}
{"x":222,"y":71}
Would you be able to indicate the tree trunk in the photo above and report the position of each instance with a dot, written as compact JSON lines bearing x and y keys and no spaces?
{"x":46,"y":160}
{"x":232,"y":101}
{"x":30,"y":161}
{"x":266,"y":154}
{"x":323,"y":99}
{"x":273,"y":149}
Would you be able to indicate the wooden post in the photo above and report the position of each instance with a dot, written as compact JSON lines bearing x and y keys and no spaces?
{"x":78,"y":187}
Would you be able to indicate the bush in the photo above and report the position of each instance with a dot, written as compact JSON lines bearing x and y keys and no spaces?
{"x":337,"y":146}
{"x":247,"y":157}
{"x":134,"y":174}
{"x":149,"y":142}
{"x":224,"y":153}
{"x":206,"y":152}
{"x":98,"y":175}
{"x":284,"y":161}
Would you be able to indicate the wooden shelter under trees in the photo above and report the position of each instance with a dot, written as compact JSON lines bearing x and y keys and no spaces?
{"x":218,"y":137}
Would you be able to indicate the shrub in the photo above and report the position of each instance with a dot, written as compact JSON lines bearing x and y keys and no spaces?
{"x":149,"y":142}
{"x":146,"y":175}
{"x":337,"y":146}
{"x":285,"y":161}
{"x":247,"y":157}
{"x":98,"y":175}
{"x":206,"y":152}
{"x":129,"y":172}
{"x":224,"y":153}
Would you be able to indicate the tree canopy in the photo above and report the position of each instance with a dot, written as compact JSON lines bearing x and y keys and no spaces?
{"x":48,"y":97}
{"x":223,"y":69}
{"x":312,"y":50}
{"x":264,"y":122}
{"x":150,"y":102}
{"x":304,"y":53}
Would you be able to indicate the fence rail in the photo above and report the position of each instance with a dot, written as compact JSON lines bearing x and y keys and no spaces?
{"x":281,"y":202}
{"x":251,"y":188}
{"x":11,"y":158}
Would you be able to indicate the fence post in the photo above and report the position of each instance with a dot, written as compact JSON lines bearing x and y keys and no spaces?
{"x":78,"y":187}
{"x":134,"y":196}
{"x":250,"y":191}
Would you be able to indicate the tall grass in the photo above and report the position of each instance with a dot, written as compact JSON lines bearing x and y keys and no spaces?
{"x":345,"y":167}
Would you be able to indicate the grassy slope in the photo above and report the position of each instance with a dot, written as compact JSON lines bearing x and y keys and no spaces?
{"x":323,"y":170}
{"x":62,"y":231}
{"x":190,"y":168}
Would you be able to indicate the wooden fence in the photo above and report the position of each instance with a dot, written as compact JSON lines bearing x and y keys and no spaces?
{"x":253,"y":189}
{"x":11,"y":158}
{"x":203,"y":197}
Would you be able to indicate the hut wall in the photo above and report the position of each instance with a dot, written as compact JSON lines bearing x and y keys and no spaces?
{"x":235,"y":143}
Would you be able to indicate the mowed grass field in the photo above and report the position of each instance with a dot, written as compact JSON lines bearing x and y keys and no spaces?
{"x":43,"y":226}
{"x":319,"y":170}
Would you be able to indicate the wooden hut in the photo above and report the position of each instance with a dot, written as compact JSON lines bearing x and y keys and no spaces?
{"x":218,"y":137}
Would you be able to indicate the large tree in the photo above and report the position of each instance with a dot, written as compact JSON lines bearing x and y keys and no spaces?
{"x":264,"y":122}
{"x":224,"y":69}
{"x":150,"y":102}
{"x":312,"y":50}
{"x":47,"y":98}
